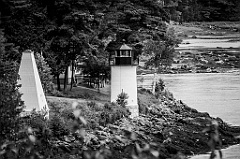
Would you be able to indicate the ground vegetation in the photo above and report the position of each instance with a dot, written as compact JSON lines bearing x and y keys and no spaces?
{"x":10,"y":99}
{"x":65,"y":31}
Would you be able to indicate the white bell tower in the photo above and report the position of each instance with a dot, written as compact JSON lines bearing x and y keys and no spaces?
{"x":124,"y":78}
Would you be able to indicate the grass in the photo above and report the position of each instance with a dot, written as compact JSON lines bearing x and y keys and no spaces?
{"x":84,"y":96}
{"x":59,"y":101}
{"x":85,"y":93}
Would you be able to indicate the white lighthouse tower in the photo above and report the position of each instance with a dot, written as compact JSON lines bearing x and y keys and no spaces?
{"x":124,"y":78}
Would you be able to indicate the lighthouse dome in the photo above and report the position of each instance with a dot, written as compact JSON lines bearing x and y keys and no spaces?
{"x":125,"y":47}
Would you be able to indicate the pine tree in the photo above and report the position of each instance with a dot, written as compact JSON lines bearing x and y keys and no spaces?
{"x":10,"y":99}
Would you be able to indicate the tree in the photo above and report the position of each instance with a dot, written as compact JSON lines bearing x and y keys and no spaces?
{"x":83,"y":28}
{"x":122,"y":99}
{"x":10,"y":99}
{"x":97,"y":70}
{"x":209,"y":10}
{"x":57,"y":65}
{"x":44,"y":73}
{"x":69,"y":36}
{"x":160,"y":55}
{"x":24,"y":25}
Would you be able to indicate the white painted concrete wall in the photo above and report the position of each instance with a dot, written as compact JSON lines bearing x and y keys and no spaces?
{"x":124,"y":78}
{"x":31,"y":89}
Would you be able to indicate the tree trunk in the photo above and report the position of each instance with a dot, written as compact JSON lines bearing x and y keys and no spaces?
{"x":65,"y":78}
{"x":58,"y":83}
{"x":98,"y":82}
{"x":72,"y":79}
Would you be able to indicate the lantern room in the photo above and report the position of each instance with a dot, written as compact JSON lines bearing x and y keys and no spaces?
{"x":123,"y":56}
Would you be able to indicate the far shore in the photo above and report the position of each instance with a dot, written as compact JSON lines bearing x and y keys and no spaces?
{"x":166,"y":124}
{"x":204,"y":49}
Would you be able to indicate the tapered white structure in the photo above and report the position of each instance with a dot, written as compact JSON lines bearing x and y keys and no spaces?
{"x":31,"y":89}
{"x":124,"y":78}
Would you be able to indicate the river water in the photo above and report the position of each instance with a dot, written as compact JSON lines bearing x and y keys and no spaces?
{"x":218,"y":94}
{"x":208,"y":43}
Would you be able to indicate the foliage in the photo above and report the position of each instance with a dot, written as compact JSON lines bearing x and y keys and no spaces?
{"x":44,"y":73}
{"x":23,"y":24}
{"x":168,"y":130}
{"x":160,"y":55}
{"x":67,"y":30}
{"x":122,"y":99}
{"x":10,"y":99}
{"x":205,"y":10}
{"x":160,"y":52}
{"x":168,"y":94}
{"x":159,"y":86}
{"x":24,"y":147}
{"x":94,"y":113}
{"x":32,"y":141}
{"x":78,"y":30}
{"x":112,"y":113}
{"x":161,"y":92}
{"x":145,"y":100}
{"x":96,"y":69}
{"x":84,"y":94}
{"x":58,"y":127}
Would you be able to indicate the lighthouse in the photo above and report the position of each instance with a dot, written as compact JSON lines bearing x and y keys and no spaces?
{"x":124,"y":77}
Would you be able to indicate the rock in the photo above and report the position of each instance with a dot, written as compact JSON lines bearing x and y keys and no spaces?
{"x":69,"y":138}
{"x":194,"y":37}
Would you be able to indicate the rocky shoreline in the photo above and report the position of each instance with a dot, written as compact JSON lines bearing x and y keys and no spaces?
{"x":205,"y":48}
{"x":176,"y":128}
{"x":201,"y":61}
{"x":186,"y":70}
{"x":166,"y":126}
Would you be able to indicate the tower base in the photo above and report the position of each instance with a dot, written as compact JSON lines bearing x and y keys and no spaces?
{"x":134,"y":109}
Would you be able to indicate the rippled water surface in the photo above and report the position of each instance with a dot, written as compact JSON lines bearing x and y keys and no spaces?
{"x":217,"y":94}
{"x":230,"y":153}
{"x":208,"y":43}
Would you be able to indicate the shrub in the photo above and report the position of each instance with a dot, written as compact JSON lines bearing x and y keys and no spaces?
{"x":37,"y":122}
{"x":67,"y":114}
{"x":58,"y":126}
{"x":168,"y":94}
{"x":32,"y":140}
{"x":113,"y":112}
{"x":107,"y":106}
{"x":122,"y":99}
{"x":44,"y":73}
{"x":159,"y":86}
{"x":91,"y":104}
{"x":142,"y":107}
{"x":145,"y":100}
{"x":10,"y":99}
